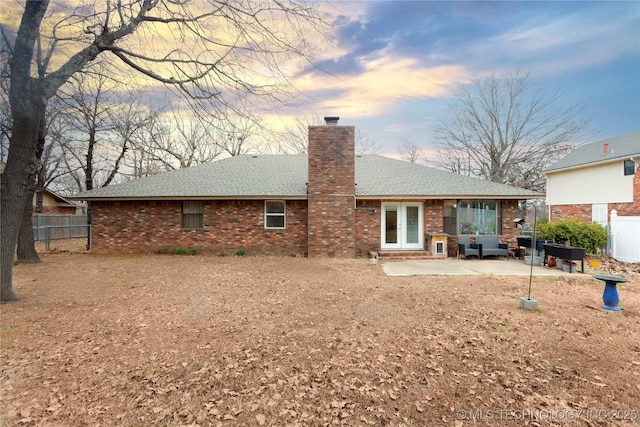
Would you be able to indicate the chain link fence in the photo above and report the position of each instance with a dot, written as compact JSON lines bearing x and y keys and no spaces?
{"x":55,"y":227}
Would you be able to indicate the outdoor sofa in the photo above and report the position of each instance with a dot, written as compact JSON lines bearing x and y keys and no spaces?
{"x":491,"y":246}
{"x":484,"y":246}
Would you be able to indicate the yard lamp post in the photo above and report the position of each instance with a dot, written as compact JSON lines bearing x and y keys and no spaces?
{"x":529,"y":303}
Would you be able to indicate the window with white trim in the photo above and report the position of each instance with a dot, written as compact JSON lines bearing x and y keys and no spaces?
{"x":274,"y":214}
{"x":191,"y":214}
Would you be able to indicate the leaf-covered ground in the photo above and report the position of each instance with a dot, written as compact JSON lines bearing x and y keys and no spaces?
{"x":201,"y":340}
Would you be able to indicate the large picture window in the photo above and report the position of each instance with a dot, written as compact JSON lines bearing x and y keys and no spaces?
{"x":274,"y":214}
{"x":472,"y":217}
{"x":191,"y":214}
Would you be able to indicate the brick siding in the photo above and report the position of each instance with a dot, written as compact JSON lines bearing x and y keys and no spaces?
{"x":331,"y":187}
{"x":57,"y":210}
{"x":510,"y":212}
{"x":228,"y":226}
{"x":232,"y":225}
{"x":367,"y":226}
{"x":433,"y":212}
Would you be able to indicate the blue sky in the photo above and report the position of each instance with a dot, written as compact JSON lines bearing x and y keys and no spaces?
{"x":394,"y":64}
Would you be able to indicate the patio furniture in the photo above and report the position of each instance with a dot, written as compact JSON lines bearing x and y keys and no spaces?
{"x":610,"y":296}
{"x":525,"y":242}
{"x":466,"y":248}
{"x":491,"y":246}
{"x":567,"y":253}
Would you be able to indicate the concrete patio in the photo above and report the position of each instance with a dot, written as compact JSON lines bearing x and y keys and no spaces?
{"x":452,"y":267}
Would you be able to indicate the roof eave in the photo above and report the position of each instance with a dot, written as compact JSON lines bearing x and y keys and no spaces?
{"x":451,"y":196}
{"x":181,"y":198}
{"x":590,"y":164}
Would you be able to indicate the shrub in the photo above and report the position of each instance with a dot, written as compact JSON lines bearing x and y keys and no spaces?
{"x":240,"y":253}
{"x":176,"y":251}
{"x":575,"y":232}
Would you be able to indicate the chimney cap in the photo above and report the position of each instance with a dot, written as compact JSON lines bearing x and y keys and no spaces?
{"x":331,"y":120}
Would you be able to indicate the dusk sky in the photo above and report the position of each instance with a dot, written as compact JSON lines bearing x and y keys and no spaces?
{"x":396,"y":62}
{"x":389,"y":67}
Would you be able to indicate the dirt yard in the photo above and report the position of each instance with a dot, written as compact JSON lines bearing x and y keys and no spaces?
{"x":169,"y":340}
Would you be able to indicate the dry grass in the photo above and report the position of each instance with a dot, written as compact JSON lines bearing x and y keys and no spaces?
{"x":198,"y":340}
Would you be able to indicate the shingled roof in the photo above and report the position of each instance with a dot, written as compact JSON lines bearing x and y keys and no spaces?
{"x":618,"y":148}
{"x":285,"y":176}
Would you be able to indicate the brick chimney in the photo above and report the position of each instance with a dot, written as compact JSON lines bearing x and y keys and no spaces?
{"x":605,"y":149}
{"x":331,"y":188}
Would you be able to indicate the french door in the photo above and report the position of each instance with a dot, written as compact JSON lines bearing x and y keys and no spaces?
{"x":402,"y":225}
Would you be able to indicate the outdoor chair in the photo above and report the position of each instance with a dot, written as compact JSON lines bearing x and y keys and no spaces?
{"x":466,"y":248}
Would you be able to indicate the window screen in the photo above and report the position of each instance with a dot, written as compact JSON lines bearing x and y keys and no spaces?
{"x":191,"y":214}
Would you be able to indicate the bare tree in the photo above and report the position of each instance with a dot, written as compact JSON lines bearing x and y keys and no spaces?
{"x":48,"y":157}
{"x":294,"y":139}
{"x":173,"y":141}
{"x":236,"y":51}
{"x":102,"y":125}
{"x":410,"y":151}
{"x":46,"y":170}
{"x":5,"y":108}
{"x":507,"y":130}
{"x":234,"y":137}
{"x":50,"y":168}
{"x":365,"y":144}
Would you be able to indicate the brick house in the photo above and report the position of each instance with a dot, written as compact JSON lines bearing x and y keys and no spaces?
{"x":327,"y":203}
{"x":595,"y":179}
{"x":55,"y":204}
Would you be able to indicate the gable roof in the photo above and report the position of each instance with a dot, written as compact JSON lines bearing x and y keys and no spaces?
{"x":60,"y":201}
{"x":618,"y":148}
{"x":285,"y":176}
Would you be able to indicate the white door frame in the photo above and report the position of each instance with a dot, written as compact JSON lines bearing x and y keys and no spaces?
{"x":401,"y":229}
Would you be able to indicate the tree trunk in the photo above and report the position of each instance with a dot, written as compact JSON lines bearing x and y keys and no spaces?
{"x":39,"y":200}
{"x":27,"y":102}
{"x":26,"y":247}
{"x":89,"y":226}
{"x":26,"y":243}
{"x":16,"y":181}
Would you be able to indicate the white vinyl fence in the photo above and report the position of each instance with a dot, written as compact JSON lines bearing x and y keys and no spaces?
{"x":625,"y":231}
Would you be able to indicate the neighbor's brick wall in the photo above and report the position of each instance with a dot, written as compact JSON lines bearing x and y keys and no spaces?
{"x":368,"y":225}
{"x":228,"y":226}
{"x":560,"y":212}
{"x":331,"y":187}
{"x":57,"y":210}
